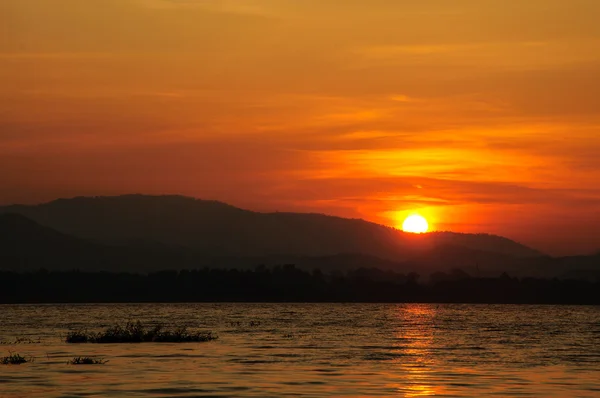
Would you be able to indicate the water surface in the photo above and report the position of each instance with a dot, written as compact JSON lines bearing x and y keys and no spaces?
{"x":314,"y":350}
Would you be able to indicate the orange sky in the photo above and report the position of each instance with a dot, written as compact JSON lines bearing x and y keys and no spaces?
{"x":483,"y":115}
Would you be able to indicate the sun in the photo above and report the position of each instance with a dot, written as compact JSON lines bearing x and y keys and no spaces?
{"x":415,"y":224}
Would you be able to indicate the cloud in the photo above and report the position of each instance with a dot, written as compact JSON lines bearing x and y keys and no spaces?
{"x":328,"y":105}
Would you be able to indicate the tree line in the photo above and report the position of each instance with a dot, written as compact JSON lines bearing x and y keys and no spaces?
{"x":287,"y":283}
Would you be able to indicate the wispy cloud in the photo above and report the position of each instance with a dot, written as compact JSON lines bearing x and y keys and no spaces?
{"x":462,"y":109}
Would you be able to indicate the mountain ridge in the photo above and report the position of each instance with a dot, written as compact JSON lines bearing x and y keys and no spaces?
{"x":217,"y":228}
{"x":26,"y":245}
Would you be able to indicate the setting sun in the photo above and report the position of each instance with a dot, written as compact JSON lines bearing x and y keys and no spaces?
{"x":415,"y":224}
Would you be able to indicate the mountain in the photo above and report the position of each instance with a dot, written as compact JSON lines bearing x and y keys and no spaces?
{"x":216,"y":229}
{"x":145,"y":233}
{"x":574,"y":267}
{"x":26,"y":244}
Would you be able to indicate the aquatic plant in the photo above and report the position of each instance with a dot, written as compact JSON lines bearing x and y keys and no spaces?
{"x":14,"y":359}
{"x":135,"y":332}
{"x":87,"y":361}
{"x":79,"y":336}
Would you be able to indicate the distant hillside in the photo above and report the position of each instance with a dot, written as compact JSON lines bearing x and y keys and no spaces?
{"x":217,"y":229}
{"x":25,"y":244}
{"x":575,"y":267}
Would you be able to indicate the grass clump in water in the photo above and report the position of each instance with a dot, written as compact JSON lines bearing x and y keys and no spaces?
{"x":135,"y":332}
{"x":87,"y":361}
{"x":14,"y":359}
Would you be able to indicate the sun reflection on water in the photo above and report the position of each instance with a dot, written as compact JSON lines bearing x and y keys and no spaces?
{"x":358,"y":350}
{"x":415,"y":341}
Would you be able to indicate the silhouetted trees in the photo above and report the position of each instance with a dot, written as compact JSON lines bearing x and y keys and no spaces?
{"x":286,"y":283}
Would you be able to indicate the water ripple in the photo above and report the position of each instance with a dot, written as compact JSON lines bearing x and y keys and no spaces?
{"x":317,"y":350}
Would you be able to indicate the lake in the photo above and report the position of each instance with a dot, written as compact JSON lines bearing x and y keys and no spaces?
{"x":275,"y":350}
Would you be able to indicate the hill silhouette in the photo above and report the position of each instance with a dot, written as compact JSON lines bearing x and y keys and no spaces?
{"x":217,"y":229}
{"x":26,"y":245}
{"x":39,"y":264}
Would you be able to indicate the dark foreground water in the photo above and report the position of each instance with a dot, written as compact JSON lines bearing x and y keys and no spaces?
{"x":312,"y":350}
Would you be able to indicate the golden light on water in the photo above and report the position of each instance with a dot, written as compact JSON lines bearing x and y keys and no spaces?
{"x":416,"y":342}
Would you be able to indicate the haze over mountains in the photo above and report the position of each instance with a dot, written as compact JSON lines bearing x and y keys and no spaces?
{"x":139,"y":232}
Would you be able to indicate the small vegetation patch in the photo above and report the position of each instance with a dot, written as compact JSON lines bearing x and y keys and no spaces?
{"x":135,"y":332}
{"x":87,"y":361}
{"x":14,"y":359}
